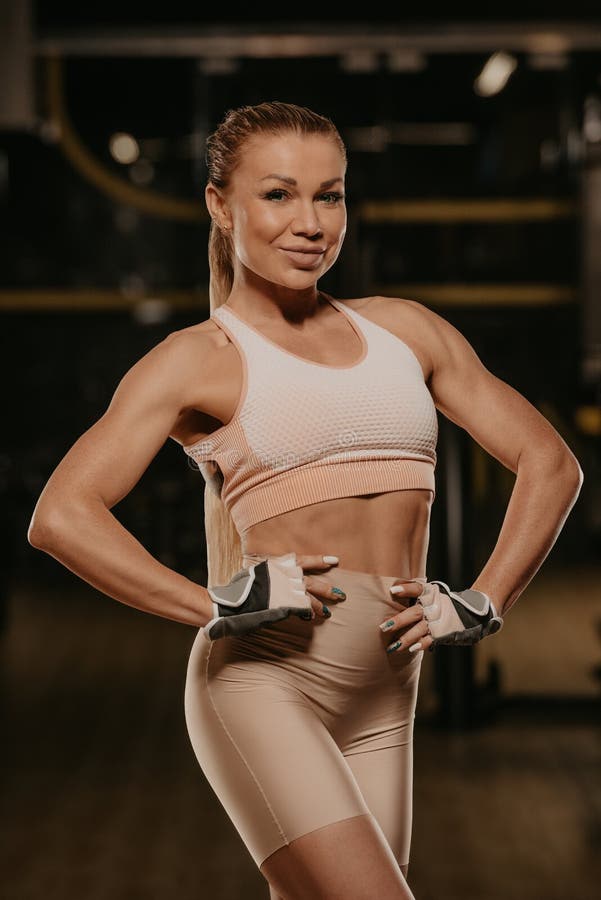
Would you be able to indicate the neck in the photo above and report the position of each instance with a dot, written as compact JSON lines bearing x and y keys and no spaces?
{"x":259,"y":300}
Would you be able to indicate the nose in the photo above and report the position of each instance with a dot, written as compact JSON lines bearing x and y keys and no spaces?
{"x":306,"y":221}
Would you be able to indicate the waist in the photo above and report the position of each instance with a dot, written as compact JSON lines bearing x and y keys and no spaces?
{"x":327,"y":480}
{"x":385,"y":533}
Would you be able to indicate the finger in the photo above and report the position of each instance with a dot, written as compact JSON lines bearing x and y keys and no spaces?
{"x":424,"y":643}
{"x":416,"y":635}
{"x":318,"y":608}
{"x":323,"y":589}
{"x":404,"y":619}
{"x":401,"y":589}
{"x":314,"y":562}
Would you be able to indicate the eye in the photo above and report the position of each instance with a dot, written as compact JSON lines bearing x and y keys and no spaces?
{"x":271,"y":194}
{"x":334,"y":196}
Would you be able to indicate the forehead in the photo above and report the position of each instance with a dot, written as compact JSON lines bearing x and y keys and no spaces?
{"x":316,"y":156}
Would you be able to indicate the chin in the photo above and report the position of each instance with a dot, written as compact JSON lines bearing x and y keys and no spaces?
{"x":309,"y":280}
{"x":295,"y":279}
{"x":308,"y":276}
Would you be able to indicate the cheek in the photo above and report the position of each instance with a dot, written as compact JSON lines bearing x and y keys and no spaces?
{"x":263,"y":221}
{"x":336,"y":221}
{"x":256,"y":229}
{"x":338,"y":228}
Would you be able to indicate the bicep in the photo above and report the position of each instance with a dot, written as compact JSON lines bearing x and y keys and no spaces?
{"x":496,"y":415}
{"x":108,"y":460}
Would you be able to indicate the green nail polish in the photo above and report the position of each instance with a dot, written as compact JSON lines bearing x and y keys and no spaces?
{"x":339,"y":593}
{"x":327,"y":610}
{"x":394,"y":646}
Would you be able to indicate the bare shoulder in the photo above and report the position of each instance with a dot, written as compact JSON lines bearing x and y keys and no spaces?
{"x":205,"y":335}
{"x":430,"y":329}
{"x":195,"y":348}
{"x":209,"y":369}
{"x":169,"y":369}
{"x":178,"y":356}
{"x":180,"y":369}
{"x":406,"y":319}
{"x":396,"y":309}
{"x":447,"y":350}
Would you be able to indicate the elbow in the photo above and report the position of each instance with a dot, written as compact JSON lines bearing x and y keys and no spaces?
{"x":579,"y":479}
{"x":572,"y":475}
{"x":35,"y":536}
{"x":42,"y":530}
{"x":560,"y":469}
{"x":573,"y":470}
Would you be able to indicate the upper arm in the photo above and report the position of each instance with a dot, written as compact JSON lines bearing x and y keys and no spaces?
{"x":497,"y":416}
{"x":108,"y":460}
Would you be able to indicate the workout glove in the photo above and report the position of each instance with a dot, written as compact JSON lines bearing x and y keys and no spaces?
{"x":256,"y":596}
{"x":462,"y":617}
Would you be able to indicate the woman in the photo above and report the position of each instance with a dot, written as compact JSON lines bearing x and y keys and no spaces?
{"x":314,"y":423}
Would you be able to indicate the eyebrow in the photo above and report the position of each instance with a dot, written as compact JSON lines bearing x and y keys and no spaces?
{"x":292,"y":181}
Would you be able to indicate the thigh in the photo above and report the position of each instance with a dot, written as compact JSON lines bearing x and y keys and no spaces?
{"x":385,"y":778}
{"x":377,"y":743}
{"x":265,"y":751}
{"x":350,"y":859}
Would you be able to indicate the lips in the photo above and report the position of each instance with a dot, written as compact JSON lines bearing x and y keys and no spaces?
{"x":316,"y":250}
{"x":303,"y":257}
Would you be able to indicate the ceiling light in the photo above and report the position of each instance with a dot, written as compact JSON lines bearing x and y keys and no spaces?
{"x":123,"y":148}
{"x":495,"y":73}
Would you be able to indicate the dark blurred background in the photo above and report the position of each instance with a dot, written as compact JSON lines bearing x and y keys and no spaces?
{"x":474,"y":187}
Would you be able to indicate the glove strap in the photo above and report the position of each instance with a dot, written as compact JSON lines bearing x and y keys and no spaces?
{"x":248,"y":591}
{"x":474,"y":607}
{"x":272,"y":583}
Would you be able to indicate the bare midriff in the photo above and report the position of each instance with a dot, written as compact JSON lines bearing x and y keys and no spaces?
{"x":384,"y":534}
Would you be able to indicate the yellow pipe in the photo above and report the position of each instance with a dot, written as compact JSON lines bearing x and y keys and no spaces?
{"x":92,"y":300}
{"x":465,"y":210}
{"x":486,"y":294}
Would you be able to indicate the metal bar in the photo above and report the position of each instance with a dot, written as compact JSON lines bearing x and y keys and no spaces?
{"x":317,"y":39}
{"x":482,"y":294}
{"x":75,"y":299}
{"x":468,"y":210}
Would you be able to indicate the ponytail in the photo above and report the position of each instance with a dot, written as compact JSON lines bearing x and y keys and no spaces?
{"x":224,"y":548}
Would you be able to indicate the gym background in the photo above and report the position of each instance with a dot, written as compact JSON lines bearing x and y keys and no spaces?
{"x":474,"y":187}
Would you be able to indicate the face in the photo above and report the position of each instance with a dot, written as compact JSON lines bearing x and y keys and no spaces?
{"x":285,"y":207}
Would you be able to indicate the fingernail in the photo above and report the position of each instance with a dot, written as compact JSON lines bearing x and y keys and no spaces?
{"x":339,"y":593}
{"x":393,"y":646}
{"x":330,"y":559}
{"x":415,"y":647}
{"x":386,"y":625}
{"x":327,"y":611}
{"x":397,"y":589}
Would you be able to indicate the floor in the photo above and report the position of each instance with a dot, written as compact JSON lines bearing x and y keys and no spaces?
{"x":102,"y":798}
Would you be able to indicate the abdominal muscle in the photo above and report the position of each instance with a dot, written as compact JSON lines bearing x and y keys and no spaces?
{"x":383,"y":534}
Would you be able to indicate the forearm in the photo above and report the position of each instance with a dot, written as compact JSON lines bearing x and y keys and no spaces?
{"x":539,"y":505}
{"x":93,"y":544}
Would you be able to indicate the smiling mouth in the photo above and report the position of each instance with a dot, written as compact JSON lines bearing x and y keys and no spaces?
{"x":304,"y":257}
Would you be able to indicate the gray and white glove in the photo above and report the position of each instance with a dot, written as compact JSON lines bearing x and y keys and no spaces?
{"x":257,"y":596}
{"x":458,"y":617}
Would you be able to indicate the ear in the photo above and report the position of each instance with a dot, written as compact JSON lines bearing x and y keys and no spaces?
{"x":217,"y":206}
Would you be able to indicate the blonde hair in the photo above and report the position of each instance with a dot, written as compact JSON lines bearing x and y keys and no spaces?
{"x":223,"y":149}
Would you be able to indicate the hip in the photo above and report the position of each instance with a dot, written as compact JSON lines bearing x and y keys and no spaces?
{"x":342,"y":655}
